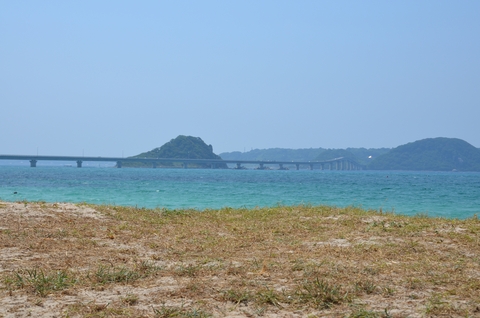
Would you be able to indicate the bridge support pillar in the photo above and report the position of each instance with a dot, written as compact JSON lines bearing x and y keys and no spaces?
{"x":239,"y":165}
{"x":154,"y":165}
{"x":79,"y":163}
{"x":322,"y":166}
{"x":185,"y":165}
{"x":262,"y":166}
{"x":281,"y":166}
{"x":298,"y":166}
{"x":311,"y":166}
{"x":119,"y":164}
{"x":33,"y":163}
{"x":213,"y":166}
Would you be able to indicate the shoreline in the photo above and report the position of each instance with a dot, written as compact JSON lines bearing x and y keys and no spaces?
{"x":287,"y":261}
{"x":391,"y":211}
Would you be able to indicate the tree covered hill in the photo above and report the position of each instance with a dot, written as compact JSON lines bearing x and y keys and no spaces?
{"x":432,"y":154}
{"x":182,"y":147}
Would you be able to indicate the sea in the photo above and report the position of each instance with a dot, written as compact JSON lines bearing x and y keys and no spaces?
{"x":439,"y":194}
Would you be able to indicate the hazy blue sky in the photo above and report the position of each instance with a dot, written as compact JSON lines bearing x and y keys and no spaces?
{"x":107,"y":78}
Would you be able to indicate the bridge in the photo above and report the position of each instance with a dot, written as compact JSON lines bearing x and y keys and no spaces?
{"x":340,"y":163}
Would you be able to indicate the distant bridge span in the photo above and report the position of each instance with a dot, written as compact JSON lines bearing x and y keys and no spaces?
{"x":340,"y":163}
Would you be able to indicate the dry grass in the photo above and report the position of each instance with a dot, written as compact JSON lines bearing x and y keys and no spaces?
{"x":68,"y":260}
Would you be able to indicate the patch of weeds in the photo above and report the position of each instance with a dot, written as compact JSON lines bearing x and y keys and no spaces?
{"x":87,"y":242}
{"x":396,"y":224}
{"x":421,"y":215}
{"x":365,"y":286}
{"x":148,"y":268}
{"x":237,"y":297}
{"x":388,"y":291}
{"x":180,"y":312}
{"x":363,"y":313}
{"x":96,"y":310}
{"x":298,"y":265}
{"x":38,"y":281}
{"x":166,"y":312}
{"x":188,"y":270}
{"x":268,"y":297}
{"x":260,"y":311}
{"x":436,"y":305}
{"x":110,"y":274}
{"x":130,"y":299}
{"x":194,"y":287}
{"x":320,"y":294}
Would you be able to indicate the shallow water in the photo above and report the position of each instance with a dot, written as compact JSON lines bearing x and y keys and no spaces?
{"x":447,"y":194}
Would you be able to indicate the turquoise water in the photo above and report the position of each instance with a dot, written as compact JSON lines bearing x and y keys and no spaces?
{"x":447,"y":194}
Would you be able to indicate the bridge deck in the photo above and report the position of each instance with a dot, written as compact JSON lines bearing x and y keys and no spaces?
{"x":184,"y":161}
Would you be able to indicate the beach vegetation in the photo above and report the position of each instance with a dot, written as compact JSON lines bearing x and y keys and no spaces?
{"x":39,"y":281}
{"x":309,"y":260}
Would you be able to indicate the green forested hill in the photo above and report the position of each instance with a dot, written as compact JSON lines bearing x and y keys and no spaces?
{"x":433,"y":154}
{"x":184,"y":147}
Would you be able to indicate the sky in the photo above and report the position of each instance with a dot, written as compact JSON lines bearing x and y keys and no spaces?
{"x":117,"y":78}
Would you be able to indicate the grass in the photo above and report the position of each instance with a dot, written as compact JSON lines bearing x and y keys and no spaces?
{"x":310,"y":260}
{"x":38,"y":281}
{"x":179,"y":311}
{"x":321,"y":294}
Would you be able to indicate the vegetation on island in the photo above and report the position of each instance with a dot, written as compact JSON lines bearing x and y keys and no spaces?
{"x":361,"y":156}
{"x":182,"y":147}
{"x":433,"y":154}
{"x":273,"y":154}
{"x":330,"y":154}
{"x":70,"y":260}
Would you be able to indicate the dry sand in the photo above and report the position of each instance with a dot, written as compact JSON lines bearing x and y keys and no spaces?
{"x":234,"y":263}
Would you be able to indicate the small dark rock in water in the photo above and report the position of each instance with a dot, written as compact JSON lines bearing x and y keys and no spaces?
{"x":15,"y":192}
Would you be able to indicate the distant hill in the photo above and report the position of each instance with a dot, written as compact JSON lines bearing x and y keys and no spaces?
{"x":335,"y":153}
{"x":360,"y":155}
{"x":365,"y":155}
{"x":274,"y":154}
{"x":433,"y":154}
{"x":182,"y":147}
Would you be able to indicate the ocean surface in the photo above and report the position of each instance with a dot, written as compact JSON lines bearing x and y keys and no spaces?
{"x":446,"y":194}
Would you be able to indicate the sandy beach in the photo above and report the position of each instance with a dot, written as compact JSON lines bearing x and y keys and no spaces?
{"x":77,"y":260}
